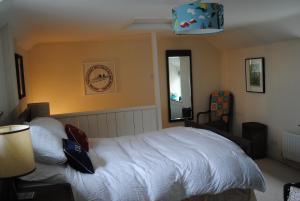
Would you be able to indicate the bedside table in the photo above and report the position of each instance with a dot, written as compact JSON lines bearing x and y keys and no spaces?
{"x":55,"y":192}
{"x":257,"y":133}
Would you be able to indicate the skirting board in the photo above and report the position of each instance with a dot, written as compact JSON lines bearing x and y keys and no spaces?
{"x":292,"y":164}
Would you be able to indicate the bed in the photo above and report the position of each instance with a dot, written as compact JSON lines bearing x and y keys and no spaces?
{"x":168,"y":165}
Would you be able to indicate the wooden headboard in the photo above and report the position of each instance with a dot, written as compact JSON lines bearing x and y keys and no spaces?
{"x":33,"y":110}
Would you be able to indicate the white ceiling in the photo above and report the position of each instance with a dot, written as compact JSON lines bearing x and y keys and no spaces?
{"x":247,"y":22}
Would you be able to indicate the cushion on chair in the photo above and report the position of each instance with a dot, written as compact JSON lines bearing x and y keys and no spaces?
{"x":220,"y":105}
{"x":77,"y":135}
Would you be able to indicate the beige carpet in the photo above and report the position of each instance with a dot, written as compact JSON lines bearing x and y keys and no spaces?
{"x":276,"y":175}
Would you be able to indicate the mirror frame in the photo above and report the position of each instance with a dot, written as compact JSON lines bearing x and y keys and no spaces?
{"x":172,"y":53}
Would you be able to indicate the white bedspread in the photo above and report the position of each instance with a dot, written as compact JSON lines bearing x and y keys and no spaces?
{"x":167,"y":165}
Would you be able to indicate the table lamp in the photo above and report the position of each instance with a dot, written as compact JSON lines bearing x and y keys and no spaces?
{"x":16,"y":157}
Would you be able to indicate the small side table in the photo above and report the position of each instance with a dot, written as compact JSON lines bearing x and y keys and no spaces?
{"x":257,"y":133}
{"x":56,"y":192}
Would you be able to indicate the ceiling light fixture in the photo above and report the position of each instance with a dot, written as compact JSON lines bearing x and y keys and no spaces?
{"x":198,"y":18}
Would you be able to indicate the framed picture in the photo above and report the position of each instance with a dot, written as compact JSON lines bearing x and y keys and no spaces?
{"x":20,"y":76}
{"x":99,"y":77}
{"x":255,"y":75}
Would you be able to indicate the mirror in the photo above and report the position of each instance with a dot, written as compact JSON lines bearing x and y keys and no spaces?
{"x":179,"y":77}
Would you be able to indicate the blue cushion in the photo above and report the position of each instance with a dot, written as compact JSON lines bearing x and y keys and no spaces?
{"x":77,"y":157}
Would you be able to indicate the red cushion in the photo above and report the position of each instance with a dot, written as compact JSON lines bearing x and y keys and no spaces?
{"x":78,"y":136}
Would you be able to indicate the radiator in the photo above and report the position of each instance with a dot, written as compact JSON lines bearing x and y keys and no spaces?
{"x":291,"y":146}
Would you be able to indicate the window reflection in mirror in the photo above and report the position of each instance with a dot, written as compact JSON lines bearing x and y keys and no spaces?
{"x":179,"y":83}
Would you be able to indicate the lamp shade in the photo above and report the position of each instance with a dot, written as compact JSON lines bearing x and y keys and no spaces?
{"x":198,"y":18}
{"x":16,"y":154}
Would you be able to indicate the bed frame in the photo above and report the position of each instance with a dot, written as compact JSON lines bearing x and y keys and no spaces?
{"x":33,"y":110}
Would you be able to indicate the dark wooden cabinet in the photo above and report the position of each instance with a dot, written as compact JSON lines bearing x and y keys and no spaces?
{"x":257,"y":133}
{"x":57,"y":192}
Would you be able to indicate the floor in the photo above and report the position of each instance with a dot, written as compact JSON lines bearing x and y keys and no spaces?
{"x":276,"y":175}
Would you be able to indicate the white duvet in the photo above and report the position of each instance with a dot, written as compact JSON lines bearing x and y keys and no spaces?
{"x":166,"y":165}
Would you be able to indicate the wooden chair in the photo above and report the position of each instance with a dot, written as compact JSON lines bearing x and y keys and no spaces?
{"x":220,"y":111}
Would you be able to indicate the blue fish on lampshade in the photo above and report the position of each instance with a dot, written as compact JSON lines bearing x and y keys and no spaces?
{"x":198,"y":18}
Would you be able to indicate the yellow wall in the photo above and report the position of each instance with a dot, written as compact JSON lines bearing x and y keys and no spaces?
{"x":55,"y":75}
{"x":279,"y":106}
{"x":206,"y":69}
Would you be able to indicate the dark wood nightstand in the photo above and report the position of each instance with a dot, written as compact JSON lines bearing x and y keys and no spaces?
{"x":257,"y":133}
{"x":56,"y":192}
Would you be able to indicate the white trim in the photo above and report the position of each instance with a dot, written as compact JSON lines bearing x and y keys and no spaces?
{"x":103,"y":111}
{"x":156,"y":78}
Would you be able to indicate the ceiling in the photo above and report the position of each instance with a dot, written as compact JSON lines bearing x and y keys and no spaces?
{"x":247,"y":22}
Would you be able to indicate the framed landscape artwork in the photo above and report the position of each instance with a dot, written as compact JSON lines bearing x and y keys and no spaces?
{"x":255,"y":75}
{"x":99,"y":77}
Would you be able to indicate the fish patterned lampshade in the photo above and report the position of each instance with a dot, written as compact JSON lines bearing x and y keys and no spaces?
{"x":198,"y":18}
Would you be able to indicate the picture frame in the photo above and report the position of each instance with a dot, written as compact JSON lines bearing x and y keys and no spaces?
{"x":20,"y":75}
{"x":255,"y":75}
{"x":99,"y":77}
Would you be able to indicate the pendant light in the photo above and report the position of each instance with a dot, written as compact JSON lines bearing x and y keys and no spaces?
{"x":198,"y":18}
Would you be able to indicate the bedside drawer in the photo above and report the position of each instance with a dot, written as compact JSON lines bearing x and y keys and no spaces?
{"x":56,"y":192}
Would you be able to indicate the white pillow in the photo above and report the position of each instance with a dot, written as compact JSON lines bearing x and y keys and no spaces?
{"x":48,"y":148}
{"x":51,"y":124}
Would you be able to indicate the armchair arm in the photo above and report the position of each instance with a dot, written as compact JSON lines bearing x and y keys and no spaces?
{"x":200,"y":113}
{"x":227,"y":122}
{"x":224,"y":115}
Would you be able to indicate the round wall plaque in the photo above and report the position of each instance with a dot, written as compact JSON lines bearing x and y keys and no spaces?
{"x":99,"y":78}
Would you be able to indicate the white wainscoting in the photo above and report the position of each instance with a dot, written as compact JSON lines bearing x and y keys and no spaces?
{"x":113,"y":123}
